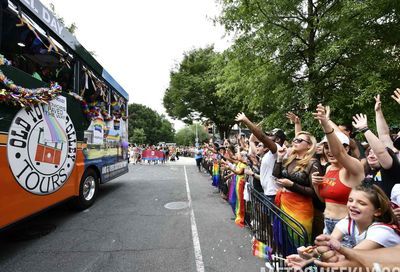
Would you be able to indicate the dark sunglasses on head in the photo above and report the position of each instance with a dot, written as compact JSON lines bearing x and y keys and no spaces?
{"x":299,"y":141}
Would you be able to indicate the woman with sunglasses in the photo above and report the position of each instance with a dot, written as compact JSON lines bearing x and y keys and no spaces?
{"x":294,"y":176}
{"x":344,"y":173}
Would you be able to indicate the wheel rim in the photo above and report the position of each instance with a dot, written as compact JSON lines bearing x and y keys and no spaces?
{"x":89,"y":188}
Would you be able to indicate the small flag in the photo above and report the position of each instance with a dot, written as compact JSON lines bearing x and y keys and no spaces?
{"x":261,"y":250}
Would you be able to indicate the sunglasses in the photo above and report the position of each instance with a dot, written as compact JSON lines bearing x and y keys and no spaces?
{"x":299,"y":141}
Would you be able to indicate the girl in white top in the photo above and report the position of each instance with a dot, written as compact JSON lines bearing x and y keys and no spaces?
{"x":371,"y":222}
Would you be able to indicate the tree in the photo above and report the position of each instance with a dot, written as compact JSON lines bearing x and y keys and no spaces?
{"x":138,"y":136}
{"x":71,"y":28}
{"x":187,"y":135}
{"x":156,"y":127}
{"x":291,"y":55}
{"x":193,"y":91}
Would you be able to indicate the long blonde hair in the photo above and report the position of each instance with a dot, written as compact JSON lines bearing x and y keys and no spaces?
{"x":303,"y":163}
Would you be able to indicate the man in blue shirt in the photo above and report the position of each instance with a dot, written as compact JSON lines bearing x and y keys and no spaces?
{"x":198,"y":156}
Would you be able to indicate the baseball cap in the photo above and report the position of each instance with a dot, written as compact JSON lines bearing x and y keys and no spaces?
{"x":221,"y":148}
{"x":278,"y":133}
{"x":342,"y":138}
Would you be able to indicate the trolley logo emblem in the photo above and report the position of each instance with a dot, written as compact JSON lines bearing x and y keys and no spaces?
{"x":41,"y":147}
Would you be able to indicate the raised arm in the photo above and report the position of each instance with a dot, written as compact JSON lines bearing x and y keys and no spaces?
{"x":381,"y":124}
{"x":379,"y":148}
{"x":211,"y":149}
{"x":295,"y":120}
{"x":252,"y":144}
{"x":355,"y":151}
{"x":241,"y":117}
{"x":336,"y":148}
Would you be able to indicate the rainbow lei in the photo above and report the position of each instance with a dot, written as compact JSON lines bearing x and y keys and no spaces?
{"x":93,"y":109}
{"x":25,"y":97}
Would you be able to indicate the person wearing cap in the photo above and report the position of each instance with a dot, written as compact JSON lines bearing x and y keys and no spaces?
{"x":344,"y":173}
{"x":382,"y":161}
{"x":278,"y":136}
{"x":270,"y":156}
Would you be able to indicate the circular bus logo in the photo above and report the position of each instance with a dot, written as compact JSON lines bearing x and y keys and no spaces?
{"x":41,"y":147}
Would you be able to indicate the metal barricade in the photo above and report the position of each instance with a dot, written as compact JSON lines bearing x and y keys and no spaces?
{"x":272,"y":226}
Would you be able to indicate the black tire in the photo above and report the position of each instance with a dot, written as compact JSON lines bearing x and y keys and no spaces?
{"x":88,"y":189}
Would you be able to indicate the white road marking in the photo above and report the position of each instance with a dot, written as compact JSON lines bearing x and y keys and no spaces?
{"x":195,"y":234}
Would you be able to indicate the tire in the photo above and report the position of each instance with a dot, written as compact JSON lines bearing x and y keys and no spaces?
{"x":88,"y":189}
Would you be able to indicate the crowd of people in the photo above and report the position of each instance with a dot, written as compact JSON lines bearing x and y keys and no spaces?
{"x":345,"y":194}
{"x":157,"y":154}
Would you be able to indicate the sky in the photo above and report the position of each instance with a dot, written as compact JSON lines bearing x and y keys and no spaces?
{"x":139,"y":42}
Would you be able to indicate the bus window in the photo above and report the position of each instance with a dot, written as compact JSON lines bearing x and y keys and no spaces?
{"x":33,"y":52}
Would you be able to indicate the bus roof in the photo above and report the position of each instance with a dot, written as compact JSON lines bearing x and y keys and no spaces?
{"x":34,"y":8}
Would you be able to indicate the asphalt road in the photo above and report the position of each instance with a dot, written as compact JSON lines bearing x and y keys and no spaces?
{"x":129,"y":229}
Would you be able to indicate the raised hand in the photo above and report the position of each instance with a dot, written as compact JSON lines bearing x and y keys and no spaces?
{"x":396,"y":95}
{"x":293,"y":117}
{"x":360,"y":121}
{"x":378,"y":103}
{"x":240,"y":117}
{"x":320,"y":114}
{"x":328,"y":112}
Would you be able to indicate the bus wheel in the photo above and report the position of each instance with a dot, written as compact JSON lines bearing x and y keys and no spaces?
{"x":88,"y":188}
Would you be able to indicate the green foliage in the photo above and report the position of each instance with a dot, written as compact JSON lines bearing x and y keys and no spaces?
{"x":149,"y":126}
{"x":138,"y":136}
{"x":290,"y":55}
{"x":71,"y":28}
{"x":193,"y":91}
{"x":187,"y":135}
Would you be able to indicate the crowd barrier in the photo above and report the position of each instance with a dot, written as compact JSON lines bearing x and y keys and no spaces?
{"x":273,"y":227}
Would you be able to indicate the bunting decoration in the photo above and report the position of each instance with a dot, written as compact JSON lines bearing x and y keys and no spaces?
{"x":92,"y":110}
{"x":25,"y":97}
{"x":49,"y":47}
{"x":84,"y":105}
{"x":261,"y":250}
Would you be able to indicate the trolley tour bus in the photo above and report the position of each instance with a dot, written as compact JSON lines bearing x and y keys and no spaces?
{"x":63,"y":125}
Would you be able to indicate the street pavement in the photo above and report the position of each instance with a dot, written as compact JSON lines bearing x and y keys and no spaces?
{"x":129,"y":229}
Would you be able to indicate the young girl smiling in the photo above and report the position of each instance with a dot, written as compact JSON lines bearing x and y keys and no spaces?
{"x":371,"y":222}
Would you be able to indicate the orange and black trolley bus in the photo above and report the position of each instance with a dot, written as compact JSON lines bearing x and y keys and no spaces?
{"x":63,"y":125}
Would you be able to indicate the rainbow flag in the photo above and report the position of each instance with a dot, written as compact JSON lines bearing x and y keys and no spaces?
{"x":240,"y":203}
{"x":215,"y":174}
{"x":261,"y":250}
{"x":232,"y":194}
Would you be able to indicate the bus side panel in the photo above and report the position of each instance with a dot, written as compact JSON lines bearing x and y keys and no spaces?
{"x":17,"y":203}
